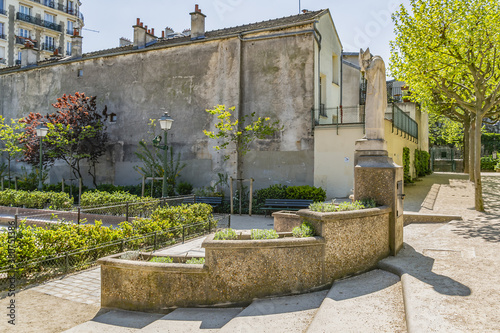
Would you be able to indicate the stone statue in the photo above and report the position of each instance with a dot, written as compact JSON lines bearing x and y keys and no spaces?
{"x":376,"y":94}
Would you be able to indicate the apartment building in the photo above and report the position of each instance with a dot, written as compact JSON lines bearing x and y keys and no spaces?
{"x":45,"y":25}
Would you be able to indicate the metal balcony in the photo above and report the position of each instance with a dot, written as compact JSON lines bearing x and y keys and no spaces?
{"x":3,"y":11}
{"x":38,"y":21}
{"x":3,"y":36}
{"x":23,"y":40}
{"x":60,"y":7}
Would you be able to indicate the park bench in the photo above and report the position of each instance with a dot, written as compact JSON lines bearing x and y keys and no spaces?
{"x":285,"y":204}
{"x":212,"y":201}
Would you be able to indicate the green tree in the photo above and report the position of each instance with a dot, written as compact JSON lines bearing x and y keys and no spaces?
{"x":447,"y":50}
{"x":10,"y":135}
{"x":231,"y":130}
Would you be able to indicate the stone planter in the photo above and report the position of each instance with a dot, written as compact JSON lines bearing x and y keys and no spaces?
{"x":237,"y":271}
{"x":285,"y":221}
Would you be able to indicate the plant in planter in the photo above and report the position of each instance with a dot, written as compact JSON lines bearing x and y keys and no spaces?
{"x":225,"y":234}
{"x":194,"y":261}
{"x":263,"y":234}
{"x":325,"y":207}
{"x":305,"y":230}
{"x":165,"y":260}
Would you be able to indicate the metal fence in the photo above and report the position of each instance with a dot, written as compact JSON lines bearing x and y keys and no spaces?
{"x":403,"y":124}
{"x":342,"y":115}
{"x":108,"y":214}
{"x":38,"y":270}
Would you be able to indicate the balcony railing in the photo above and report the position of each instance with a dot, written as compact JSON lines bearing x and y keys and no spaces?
{"x":23,"y":40}
{"x":18,"y":62}
{"x":3,"y":61}
{"x":60,"y":7}
{"x":2,"y":36}
{"x":403,"y":124}
{"x":38,"y":21}
{"x":3,"y":11}
{"x":342,"y":115}
{"x":49,"y":47}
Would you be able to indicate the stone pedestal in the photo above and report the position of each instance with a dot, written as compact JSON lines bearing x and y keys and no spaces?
{"x":377,"y":176}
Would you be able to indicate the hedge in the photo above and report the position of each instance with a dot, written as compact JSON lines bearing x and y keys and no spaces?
{"x":99,"y":198}
{"x":34,"y":242}
{"x":35,"y":199}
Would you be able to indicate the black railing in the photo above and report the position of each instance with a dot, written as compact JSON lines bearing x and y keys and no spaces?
{"x":3,"y":61}
{"x":38,"y":21}
{"x":2,"y":36}
{"x":23,"y":40}
{"x":18,"y":62}
{"x":48,"y":47}
{"x":403,"y":124}
{"x":60,"y":7}
{"x":342,"y":115}
{"x":3,"y":11}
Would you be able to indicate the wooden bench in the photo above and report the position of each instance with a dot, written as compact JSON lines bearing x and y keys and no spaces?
{"x":285,"y":204}
{"x":212,"y":201}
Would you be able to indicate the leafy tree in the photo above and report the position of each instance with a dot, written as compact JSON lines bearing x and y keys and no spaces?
{"x":447,"y":51}
{"x":231,"y":130}
{"x":10,"y":135}
{"x":76,"y":133}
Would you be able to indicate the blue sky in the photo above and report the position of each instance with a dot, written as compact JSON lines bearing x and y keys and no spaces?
{"x":360,"y":23}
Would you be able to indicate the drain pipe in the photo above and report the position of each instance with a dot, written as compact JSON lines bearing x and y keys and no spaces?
{"x":317,"y":37}
{"x":341,"y":74}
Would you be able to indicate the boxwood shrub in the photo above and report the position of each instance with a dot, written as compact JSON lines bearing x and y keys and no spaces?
{"x":35,"y":199}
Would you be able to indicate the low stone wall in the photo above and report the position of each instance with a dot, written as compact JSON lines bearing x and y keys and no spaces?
{"x":237,"y":271}
{"x":354,"y":240}
{"x":285,"y":221}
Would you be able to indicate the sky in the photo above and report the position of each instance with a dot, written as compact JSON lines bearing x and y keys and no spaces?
{"x":359,"y":23}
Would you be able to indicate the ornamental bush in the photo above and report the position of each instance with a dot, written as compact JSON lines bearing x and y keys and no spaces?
{"x":306,"y":192}
{"x":263,"y":234}
{"x":35,"y":199}
{"x":343,"y":206}
{"x":225,"y":234}
{"x":99,"y":198}
{"x":488,"y":163}
{"x":305,"y":230}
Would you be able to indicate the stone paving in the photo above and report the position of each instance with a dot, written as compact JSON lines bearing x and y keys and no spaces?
{"x":83,"y":287}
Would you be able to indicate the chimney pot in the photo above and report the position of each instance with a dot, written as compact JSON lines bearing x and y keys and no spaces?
{"x":196,"y":8}
{"x":152,"y":31}
{"x":140,"y":24}
{"x":163,"y":34}
{"x":138,"y":21}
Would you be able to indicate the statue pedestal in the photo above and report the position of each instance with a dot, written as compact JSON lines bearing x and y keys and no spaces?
{"x":376,"y":176}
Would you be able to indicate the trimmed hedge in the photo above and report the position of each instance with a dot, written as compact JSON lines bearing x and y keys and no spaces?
{"x":35,"y":199}
{"x":34,"y":242}
{"x":488,"y":163}
{"x":98,"y":198}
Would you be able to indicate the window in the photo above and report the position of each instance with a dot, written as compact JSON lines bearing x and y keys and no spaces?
{"x":80,"y":73}
{"x":70,"y":27}
{"x":2,"y":51}
{"x":2,"y":30}
{"x":24,"y":33}
{"x":25,"y":10}
{"x":68,"y":48}
{"x":49,"y":3}
{"x":71,"y":7}
{"x":19,"y":56}
{"x":335,"y":69}
{"x":49,"y":43}
{"x":50,"y":18}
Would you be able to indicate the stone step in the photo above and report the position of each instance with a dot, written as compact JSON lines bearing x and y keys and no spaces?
{"x":193,"y":320}
{"x":118,"y":321}
{"x":279,"y":314}
{"x":371,"y":302}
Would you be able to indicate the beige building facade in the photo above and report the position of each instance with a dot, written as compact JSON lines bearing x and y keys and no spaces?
{"x":45,"y":25}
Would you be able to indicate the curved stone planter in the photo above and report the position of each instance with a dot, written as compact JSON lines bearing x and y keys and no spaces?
{"x":237,"y":271}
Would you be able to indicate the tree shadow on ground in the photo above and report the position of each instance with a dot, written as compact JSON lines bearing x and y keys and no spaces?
{"x":419,"y":266}
{"x":486,"y":227}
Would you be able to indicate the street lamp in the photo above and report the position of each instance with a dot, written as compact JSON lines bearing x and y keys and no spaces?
{"x":41,"y":132}
{"x":165,"y":124}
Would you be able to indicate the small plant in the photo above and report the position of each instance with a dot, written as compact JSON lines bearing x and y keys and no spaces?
{"x":196,"y":261}
{"x":165,"y":260}
{"x":305,"y":230}
{"x":225,"y":234}
{"x":263,"y":234}
{"x":184,"y":188}
{"x":343,"y":206}
{"x":369,"y":203}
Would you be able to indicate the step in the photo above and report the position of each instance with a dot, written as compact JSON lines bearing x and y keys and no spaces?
{"x":193,"y":320}
{"x":371,"y":302}
{"x":118,"y":321}
{"x":278,"y":314}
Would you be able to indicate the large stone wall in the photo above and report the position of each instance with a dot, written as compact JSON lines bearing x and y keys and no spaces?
{"x":275,"y":78}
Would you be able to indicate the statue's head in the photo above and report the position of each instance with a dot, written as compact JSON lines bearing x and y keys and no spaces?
{"x":364,"y":59}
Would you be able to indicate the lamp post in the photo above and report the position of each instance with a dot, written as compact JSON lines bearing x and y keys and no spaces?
{"x":165,"y":124}
{"x":41,"y":132}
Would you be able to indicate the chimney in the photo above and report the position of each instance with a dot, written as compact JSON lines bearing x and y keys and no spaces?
{"x":125,"y":41}
{"x":197,"y":24}
{"x":168,"y":31}
{"x":139,"y":35}
{"x":76,"y":44}
{"x":29,"y":55}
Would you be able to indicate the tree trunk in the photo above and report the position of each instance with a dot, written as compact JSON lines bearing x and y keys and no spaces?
{"x":472,"y":147}
{"x":466,"y":143}
{"x":479,"y":202}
